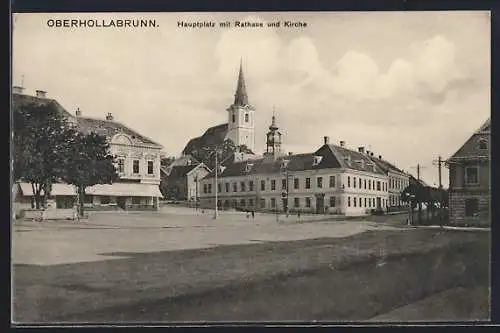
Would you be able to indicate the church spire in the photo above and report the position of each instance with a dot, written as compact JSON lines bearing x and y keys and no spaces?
{"x":240,"y":97}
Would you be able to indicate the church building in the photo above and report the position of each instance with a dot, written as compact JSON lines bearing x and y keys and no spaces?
{"x":240,"y":127}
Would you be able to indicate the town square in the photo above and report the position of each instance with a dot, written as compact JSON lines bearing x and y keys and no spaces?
{"x":255,"y":174}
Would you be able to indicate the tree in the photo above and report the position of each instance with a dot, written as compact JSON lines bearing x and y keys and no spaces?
{"x":39,"y":138}
{"x":166,"y":161}
{"x":88,"y":162}
{"x":205,"y":155}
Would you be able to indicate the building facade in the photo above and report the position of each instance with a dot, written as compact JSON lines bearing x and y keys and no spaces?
{"x":182,"y":183}
{"x":470,"y":180}
{"x":137,"y":163}
{"x":398,"y":181}
{"x":331,"y":180}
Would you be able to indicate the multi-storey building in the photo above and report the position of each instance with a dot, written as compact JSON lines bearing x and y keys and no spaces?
{"x":398,"y":181}
{"x":333,"y":180}
{"x":470,"y":185}
{"x":137,"y":162}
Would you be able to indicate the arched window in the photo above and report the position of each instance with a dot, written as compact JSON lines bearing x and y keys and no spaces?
{"x":234,"y":118}
{"x":246,"y":117}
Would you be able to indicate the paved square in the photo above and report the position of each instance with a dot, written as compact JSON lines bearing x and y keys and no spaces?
{"x":170,"y":229}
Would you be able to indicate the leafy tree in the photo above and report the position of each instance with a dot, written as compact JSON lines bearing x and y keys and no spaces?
{"x":206,"y":154}
{"x":166,"y":161}
{"x":88,"y":162}
{"x":39,"y":138}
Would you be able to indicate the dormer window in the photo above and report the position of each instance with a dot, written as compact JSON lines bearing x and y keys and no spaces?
{"x":361,"y":163}
{"x":284,"y":164}
{"x":483,"y":144}
{"x":221,"y":169}
{"x":347,"y":159}
{"x":317,"y":160}
{"x":248,"y":167}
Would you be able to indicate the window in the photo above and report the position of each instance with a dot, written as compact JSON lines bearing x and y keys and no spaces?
{"x":262,"y":203}
{"x":246,"y":117}
{"x":296,"y":202}
{"x":365,"y":202}
{"x":295,"y":183}
{"x":378,"y":185}
{"x":319,"y":182}
{"x":273,"y":203}
{"x":219,"y":187}
{"x":235,"y":187}
{"x":332,"y":202}
{"x":88,"y":199}
{"x":365,"y":183}
{"x":242,"y":202}
{"x":227,"y":187}
{"x":150,"y":167}
{"x":308,"y":202}
{"x":308,"y":182}
{"x":483,"y":144}
{"x":262,"y":185}
{"x":283,"y":184}
{"x":250,"y":202}
{"x":136,"y":200}
{"x":354,"y":201}
{"x":354,"y":182}
{"x":360,"y":183}
{"x":348,"y":201}
{"x":369,"y":202}
{"x":360,"y":203}
{"x":243,"y":186}
{"x":234,"y":203}
{"x":369,"y":184}
{"x":332,"y":181}
{"x":250,"y":185}
{"x":471,"y":175}
{"x":205,"y":188}
{"x":273,"y":185}
{"x":234,"y":118}
{"x":348,"y":181}
{"x":121,"y":165}
{"x":135,"y":166}
{"x":209,"y":188}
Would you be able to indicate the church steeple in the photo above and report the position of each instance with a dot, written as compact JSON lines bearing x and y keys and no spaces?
{"x":240,"y":97}
{"x":273,"y":140}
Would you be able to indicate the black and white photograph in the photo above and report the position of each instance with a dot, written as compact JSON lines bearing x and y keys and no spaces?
{"x":250,"y":167}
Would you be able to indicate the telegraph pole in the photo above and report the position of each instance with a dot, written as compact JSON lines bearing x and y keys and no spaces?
{"x":216,"y":187}
{"x":439,"y":162}
{"x":418,"y":167}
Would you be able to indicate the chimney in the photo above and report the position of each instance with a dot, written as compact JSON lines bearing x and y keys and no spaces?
{"x":342,"y":143}
{"x":78,"y":112}
{"x":290,"y":153}
{"x":326,"y":140}
{"x":379,"y":157}
{"x":41,"y":94}
{"x":109,"y":116}
{"x":361,"y":150}
{"x":371,"y":153}
{"x":17,"y":90}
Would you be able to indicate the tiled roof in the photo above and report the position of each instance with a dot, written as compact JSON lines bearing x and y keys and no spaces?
{"x":471,"y":148}
{"x":331,"y":157}
{"x":385,"y":165}
{"x":213,"y":135}
{"x":24,"y":100}
{"x":110,"y":128}
{"x":180,"y":161}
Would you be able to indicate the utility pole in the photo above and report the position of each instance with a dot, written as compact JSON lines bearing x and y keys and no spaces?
{"x":216,"y":186}
{"x":196,"y":193}
{"x":418,"y":167}
{"x":439,"y":162}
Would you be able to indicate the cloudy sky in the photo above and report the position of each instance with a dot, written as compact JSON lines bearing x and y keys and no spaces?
{"x":409,"y":86}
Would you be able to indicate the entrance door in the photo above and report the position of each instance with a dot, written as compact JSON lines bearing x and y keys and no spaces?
{"x":379,"y":202}
{"x":320,"y":204}
{"x":120,"y":201}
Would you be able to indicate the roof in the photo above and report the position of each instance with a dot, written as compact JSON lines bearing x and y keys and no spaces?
{"x":241,"y":97}
{"x":331,"y":157}
{"x":24,"y":100}
{"x":416,"y":181}
{"x":471,"y":148}
{"x":385,"y":165}
{"x":181,"y":171}
{"x":212,"y":136}
{"x":109,"y":128}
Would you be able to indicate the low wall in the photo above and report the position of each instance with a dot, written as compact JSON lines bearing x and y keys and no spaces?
{"x":48,"y":214}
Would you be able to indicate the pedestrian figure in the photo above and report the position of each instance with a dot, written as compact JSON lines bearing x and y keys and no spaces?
{"x":298,"y":214}
{"x":253,"y":214}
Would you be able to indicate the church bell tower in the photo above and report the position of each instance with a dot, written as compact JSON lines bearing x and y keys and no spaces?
{"x":241,"y":122}
{"x":273,"y":140}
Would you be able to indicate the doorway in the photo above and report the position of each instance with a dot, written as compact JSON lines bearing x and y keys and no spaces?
{"x":320,"y":204}
{"x":121,"y":202}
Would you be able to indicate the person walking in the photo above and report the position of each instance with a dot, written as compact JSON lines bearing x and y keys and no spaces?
{"x":253,"y":214}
